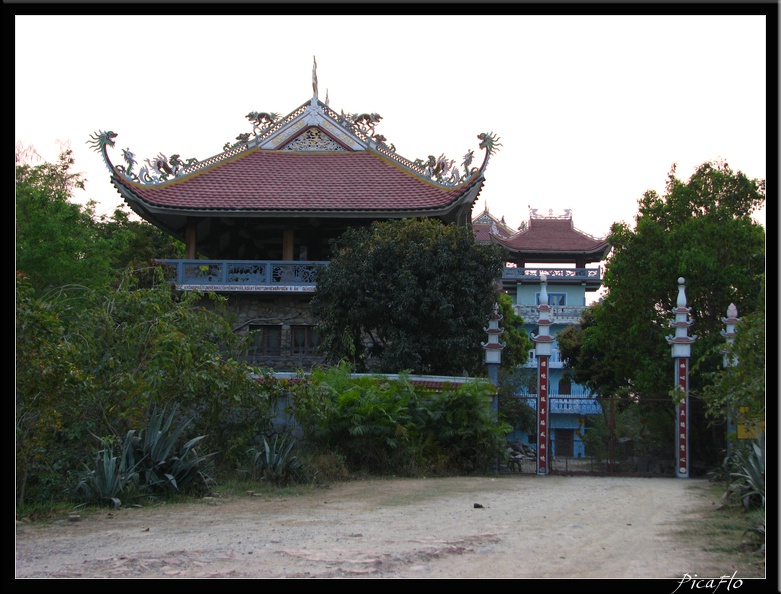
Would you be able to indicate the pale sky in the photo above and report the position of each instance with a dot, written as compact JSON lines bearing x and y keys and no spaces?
{"x":591,"y":110}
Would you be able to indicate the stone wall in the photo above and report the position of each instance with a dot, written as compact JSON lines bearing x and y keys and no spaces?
{"x":286,"y":310}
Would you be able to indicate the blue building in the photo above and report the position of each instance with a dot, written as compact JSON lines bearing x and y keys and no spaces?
{"x":551,"y":247}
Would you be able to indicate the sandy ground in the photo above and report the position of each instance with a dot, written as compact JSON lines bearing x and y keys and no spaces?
{"x":503,"y":527}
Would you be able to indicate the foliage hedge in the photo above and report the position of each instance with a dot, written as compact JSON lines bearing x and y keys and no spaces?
{"x":94,"y":367}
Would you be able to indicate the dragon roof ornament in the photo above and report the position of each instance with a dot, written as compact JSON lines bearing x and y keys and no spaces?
{"x":156,"y":170}
{"x":265,"y":125}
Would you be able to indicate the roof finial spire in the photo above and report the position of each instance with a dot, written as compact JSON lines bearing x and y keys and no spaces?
{"x":314,"y":76}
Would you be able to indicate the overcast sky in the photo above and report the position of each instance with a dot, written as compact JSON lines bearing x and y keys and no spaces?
{"x":591,"y":111}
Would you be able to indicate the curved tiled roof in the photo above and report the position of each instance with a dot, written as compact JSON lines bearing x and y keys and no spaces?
{"x":542,"y":239}
{"x":269,"y":181}
{"x":553,"y":235}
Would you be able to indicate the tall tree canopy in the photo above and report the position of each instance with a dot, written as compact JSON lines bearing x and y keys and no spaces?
{"x":101,"y":338}
{"x":738,"y":391}
{"x":61,"y":242}
{"x":701,"y":230}
{"x":582,"y":355}
{"x":516,"y":339}
{"x":409,"y":295}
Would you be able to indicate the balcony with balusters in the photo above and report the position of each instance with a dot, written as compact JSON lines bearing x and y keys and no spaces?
{"x":244,"y":276}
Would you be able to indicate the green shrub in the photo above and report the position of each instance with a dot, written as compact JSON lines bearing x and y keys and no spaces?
{"x":160,"y":467}
{"x":109,"y":480}
{"x":383,"y":426}
{"x":324,"y":466}
{"x":464,"y":429}
{"x":275,"y":461}
{"x":750,"y":475}
{"x":149,"y":464}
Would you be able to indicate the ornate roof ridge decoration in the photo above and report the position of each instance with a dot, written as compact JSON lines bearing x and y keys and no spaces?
{"x":269,"y":130}
{"x":534,"y":214}
{"x":567,"y":216}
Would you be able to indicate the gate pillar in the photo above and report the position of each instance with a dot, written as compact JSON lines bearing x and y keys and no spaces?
{"x":681,"y":353}
{"x":543,"y":347}
{"x":730,"y":359}
{"x":493,"y":354}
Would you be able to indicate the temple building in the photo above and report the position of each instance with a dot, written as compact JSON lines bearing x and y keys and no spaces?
{"x":550,"y":247}
{"x":257,"y":218}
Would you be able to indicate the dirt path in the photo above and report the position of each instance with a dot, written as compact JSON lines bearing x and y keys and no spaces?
{"x":527,"y":527}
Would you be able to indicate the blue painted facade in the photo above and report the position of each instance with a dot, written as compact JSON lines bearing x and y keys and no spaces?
{"x":573,"y":276}
{"x":570,"y":402}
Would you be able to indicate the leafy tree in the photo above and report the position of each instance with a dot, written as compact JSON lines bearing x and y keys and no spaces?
{"x":92,"y":365}
{"x":738,"y":391}
{"x":47,"y":372}
{"x":581,"y":351}
{"x":409,"y":295}
{"x":700,"y":230}
{"x":55,"y":243}
{"x":59,"y":242}
{"x":136,"y":244}
{"x":516,"y":339}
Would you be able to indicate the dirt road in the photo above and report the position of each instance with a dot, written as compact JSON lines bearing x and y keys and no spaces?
{"x":503,"y":527}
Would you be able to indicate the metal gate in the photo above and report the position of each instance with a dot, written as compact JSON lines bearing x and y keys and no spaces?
{"x":626,"y":437}
{"x":603,"y":436}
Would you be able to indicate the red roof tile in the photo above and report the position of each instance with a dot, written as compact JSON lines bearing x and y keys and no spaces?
{"x":272,"y":181}
{"x":553,"y":235}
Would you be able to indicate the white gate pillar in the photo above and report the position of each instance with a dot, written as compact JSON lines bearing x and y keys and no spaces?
{"x":681,"y":352}
{"x":730,"y":322}
{"x":493,"y":354}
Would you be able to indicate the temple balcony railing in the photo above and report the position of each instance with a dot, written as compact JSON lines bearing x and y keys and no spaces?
{"x":244,"y":275}
{"x":590,"y":278}
{"x":559,"y":314}
{"x":579,"y":403}
{"x":553,"y":273}
{"x":300,"y":275}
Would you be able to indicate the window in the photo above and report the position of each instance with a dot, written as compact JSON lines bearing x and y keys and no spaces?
{"x":267,"y":340}
{"x":304,"y":340}
{"x":565,"y":387}
{"x":554,"y":299}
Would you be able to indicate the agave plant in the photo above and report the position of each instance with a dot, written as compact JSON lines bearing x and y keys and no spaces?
{"x":751,"y":474}
{"x":148,"y":463}
{"x":109,"y":478}
{"x":160,"y":467}
{"x":275,"y":461}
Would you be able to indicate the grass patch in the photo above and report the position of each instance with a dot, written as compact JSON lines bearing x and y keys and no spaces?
{"x":259,"y":488}
{"x":44,"y":511}
{"x":729,"y":530}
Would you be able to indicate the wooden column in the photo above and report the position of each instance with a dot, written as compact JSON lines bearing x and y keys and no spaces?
{"x":191,"y":239}
{"x":288,"y":240}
